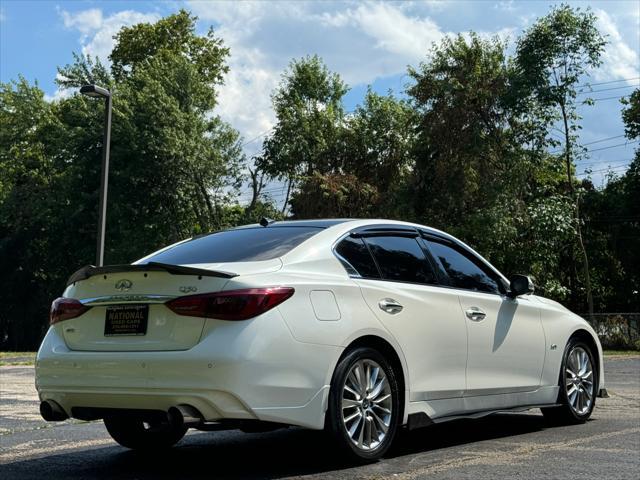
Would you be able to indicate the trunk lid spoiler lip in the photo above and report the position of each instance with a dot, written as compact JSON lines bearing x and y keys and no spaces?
{"x":90,"y":270}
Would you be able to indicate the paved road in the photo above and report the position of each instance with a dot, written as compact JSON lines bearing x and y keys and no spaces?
{"x":502,"y":446}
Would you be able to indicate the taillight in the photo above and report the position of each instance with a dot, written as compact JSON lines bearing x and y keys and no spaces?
{"x":64,"y":309}
{"x":232,"y":304}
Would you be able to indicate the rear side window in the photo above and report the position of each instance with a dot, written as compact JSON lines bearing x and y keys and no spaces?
{"x":463,"y":272}
{"x":242,"y":245}
{"x":356,"y":259}
{"x":401,"y":259}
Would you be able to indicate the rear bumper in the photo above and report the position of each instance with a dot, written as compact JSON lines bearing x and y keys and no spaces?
{"x":239,"y":370}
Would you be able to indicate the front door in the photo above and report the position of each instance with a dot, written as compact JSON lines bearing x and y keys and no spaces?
{"x":506,"y":342}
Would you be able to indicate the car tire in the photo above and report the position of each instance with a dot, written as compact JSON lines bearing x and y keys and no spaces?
{"x":578,"y":381}
{"x":364,"y":405}
{"x":138,"y":434}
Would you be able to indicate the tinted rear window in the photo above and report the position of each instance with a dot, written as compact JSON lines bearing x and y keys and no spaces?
{"x":355,"y":257}
{"x":401,"y":259}
{"x":242,"y":245}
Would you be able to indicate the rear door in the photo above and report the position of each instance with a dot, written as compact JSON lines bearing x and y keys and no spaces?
{"x":506,"y":340}
{"x":399,"y":287}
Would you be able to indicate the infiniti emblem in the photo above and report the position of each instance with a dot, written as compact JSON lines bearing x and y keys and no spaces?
{"x":124,"y":285}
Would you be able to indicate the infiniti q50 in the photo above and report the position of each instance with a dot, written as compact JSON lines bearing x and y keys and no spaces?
{"x":358,"y":327}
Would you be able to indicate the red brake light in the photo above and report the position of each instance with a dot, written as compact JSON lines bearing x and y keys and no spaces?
{"x":64,"y":309}
{"x":232,"y":304}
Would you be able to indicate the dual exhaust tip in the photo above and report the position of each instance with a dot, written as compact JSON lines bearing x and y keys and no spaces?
{"x":52,"y":411}
{"x":178,"y":416}
{"x":185,"y":416}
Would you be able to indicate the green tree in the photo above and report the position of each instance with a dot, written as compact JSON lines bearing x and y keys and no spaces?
{"x":612,"y":216}
{"x":380,"y":136}
{"x":171,"y":158}
{"x":463,"y":138}
{"x":631,"y":116}
{"x":553,"y":57}
{"x":174,"y":165}
{"x":371,"y":165}
{"x":29,"y":180}
{"x":176,"y":36}
{"x":310,"y":118}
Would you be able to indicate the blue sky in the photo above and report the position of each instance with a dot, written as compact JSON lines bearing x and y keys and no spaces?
{"x":367,"y":43}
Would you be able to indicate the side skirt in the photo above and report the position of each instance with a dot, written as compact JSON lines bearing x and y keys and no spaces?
{"x":421,"y":419}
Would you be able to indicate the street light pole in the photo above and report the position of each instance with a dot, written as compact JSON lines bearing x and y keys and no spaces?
{"x":99,"y":92}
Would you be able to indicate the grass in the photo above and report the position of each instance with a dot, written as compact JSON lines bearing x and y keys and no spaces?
{"x":609,"y":353}
{"x":17,"y":358}
{"x":15,"y":364}
{"x":4,"y":355}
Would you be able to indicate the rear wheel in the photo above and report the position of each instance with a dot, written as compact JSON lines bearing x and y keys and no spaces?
{"x":363,"y":404}
{"x":140,"y":434}
{"x":578,"y":384}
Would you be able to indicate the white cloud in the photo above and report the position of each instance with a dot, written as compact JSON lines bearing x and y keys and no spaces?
{"x":85,"y":21}
{"x":97,"y":31}
{"x":392,"y":29}
{"x":619,"y":59}
{"x":362,"y":42}
{"x":505,"y":5}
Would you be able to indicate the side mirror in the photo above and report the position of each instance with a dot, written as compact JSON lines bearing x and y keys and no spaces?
{"x":520,"y":285}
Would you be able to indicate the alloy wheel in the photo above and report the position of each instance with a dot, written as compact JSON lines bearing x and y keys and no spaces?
{"x":579,"y":380}
{"x":367,"y":404}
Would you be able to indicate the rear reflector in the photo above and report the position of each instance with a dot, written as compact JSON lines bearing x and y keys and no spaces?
{"x":232,"y":304}
{"x":64,"y":309}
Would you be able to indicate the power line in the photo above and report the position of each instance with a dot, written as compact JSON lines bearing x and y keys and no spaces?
{"x":609,"y":82}
{"x":256,"y":138}
{"x":583,"y":92}
{"x":612,"y":146}
{"x":608,"y":162}
{"x":610,"y":169}
{"x":608,"y":98}
{"x":602,"y":140}
{"x":601,"y":148}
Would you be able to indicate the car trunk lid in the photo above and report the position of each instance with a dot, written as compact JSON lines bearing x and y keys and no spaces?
{"x":128,"y":311}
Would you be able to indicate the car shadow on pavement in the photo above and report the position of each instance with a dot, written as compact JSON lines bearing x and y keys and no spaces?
{"x":277,"y":454}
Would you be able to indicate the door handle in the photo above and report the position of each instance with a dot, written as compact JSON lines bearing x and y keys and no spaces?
{"x":389,"y":305}
{"x":475,"y":314}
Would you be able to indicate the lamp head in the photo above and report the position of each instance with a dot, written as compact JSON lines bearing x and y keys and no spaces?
{"x":95,"y":91}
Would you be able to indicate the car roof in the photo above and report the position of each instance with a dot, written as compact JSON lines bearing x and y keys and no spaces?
{"x":316,"y":223}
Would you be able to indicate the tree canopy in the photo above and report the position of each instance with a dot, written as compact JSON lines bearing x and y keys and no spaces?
{"x":469,"y":147}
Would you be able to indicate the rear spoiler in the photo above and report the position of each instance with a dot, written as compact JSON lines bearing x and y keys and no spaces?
{"x":90,"y":270}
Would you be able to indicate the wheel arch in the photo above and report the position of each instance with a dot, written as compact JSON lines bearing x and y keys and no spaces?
{"x":594,"y":344}
{"x":389,"y":352}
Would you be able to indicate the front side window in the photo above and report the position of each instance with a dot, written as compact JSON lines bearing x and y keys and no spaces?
{"x":239,"y":245}
{"x":356,"y":259}
{"x":401,"y":259}
{"x":462,"y":271}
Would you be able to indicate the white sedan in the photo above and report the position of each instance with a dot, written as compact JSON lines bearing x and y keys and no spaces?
{"x":359,"y":327}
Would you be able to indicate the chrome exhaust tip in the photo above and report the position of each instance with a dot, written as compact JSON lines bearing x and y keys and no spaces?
{"x":185,"y":416}
{"x":52,"y":411}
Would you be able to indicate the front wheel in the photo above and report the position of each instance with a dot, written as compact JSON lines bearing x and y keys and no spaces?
{"x":138,"y":434}
{"x":364,"y":404}
{"x":578,"y":386}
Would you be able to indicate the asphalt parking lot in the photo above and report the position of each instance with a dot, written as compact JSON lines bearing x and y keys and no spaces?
{"x":501,"y":446}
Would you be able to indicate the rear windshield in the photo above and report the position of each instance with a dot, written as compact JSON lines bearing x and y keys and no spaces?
{"x":242,"y":245}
